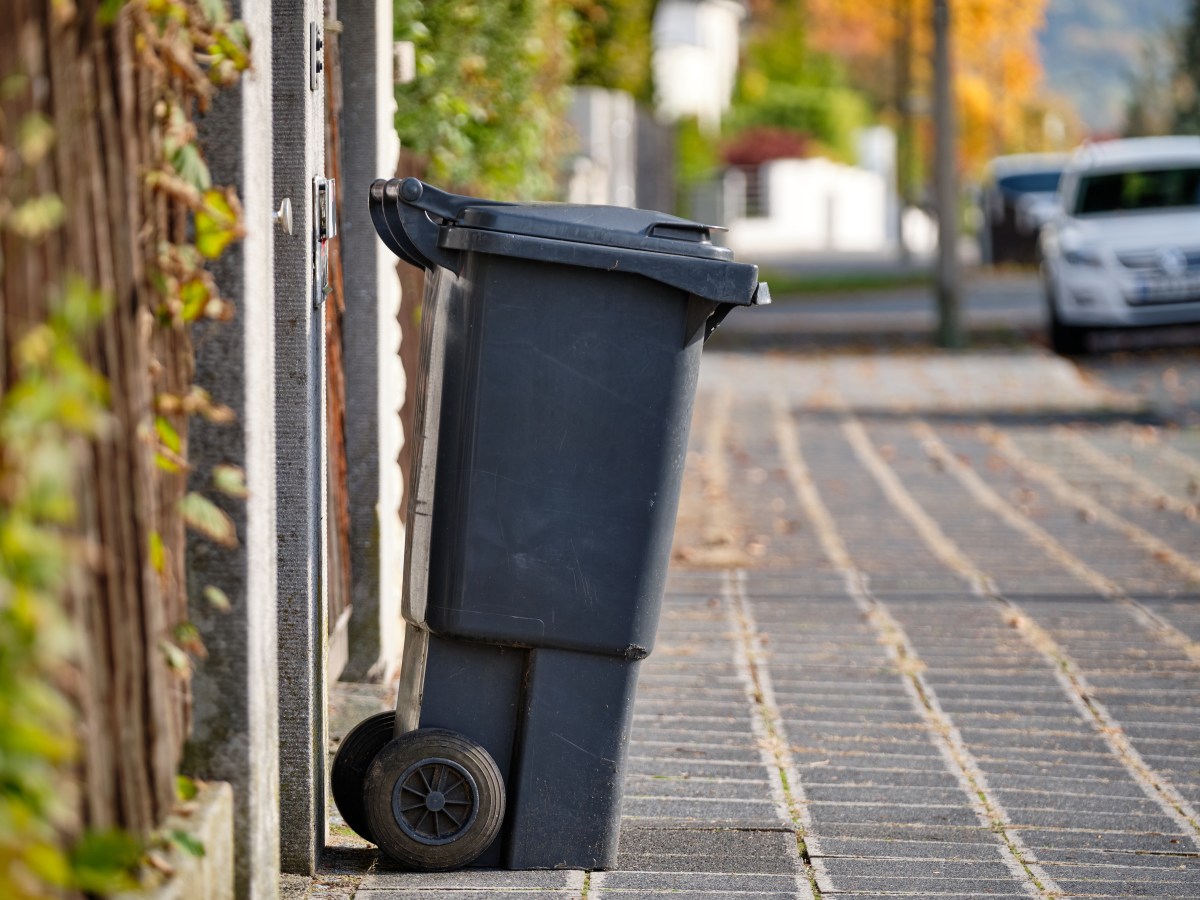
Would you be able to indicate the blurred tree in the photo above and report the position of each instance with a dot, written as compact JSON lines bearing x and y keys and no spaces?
{"x":484,"y":113}
{"x":787,"y":86}
{"x":1187,"y":74}
{"x":997,"y":65}
{"x":612,"y":44}
{"x":1150,"y":107}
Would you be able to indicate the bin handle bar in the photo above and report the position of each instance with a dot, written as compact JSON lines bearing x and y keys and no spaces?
{"x":383,"y":227}
{"x":441,"y":203}
{"x":401,"y":211}
{"x":408,"y":230}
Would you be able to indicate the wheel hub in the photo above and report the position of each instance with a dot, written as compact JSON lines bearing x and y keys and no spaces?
{"x":434,"y":801}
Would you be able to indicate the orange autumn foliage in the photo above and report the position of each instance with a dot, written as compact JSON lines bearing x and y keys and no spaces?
{"x":996,"y":61}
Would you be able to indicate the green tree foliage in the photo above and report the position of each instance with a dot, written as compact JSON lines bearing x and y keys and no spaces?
{"x":57,"y":406}
{"x":1187,"y":106}
{"x":484,"y":112}
{"x":55,"y":410}
{"x":829,"y":115}
{"x":612,"y":44}
{"x":785,"y":84}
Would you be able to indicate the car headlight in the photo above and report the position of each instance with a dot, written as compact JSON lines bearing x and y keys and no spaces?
{"x":1082,"y":256}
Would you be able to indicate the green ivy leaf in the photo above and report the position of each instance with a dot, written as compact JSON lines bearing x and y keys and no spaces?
{"x":185,"y":788}
{"x":216,"y":225}
{"x":158,"y":553}
{"x":206,"y":517}
{"x":80,"y":308}
{"x":168,"y":435}
{"x":191,"y":167}
{"x":176,"y":658}
{"x":230,"y":481}
{"x":37,"y":217}
{"x":35,"y":138}
{"x":166,"y":464}
{"x":214,"y":11}
{"x":103,"y":862}
{"x":195,"y":296}
{"x":187,"y":637}
{"x":187,"y":843}
{"x":109,"y":10}
{"x":217,"y":599}
{"x":49,"y":863}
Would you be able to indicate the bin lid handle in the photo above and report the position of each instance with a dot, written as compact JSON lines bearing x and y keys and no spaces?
{"x":383,"y":227}
{"x":441,"y":203}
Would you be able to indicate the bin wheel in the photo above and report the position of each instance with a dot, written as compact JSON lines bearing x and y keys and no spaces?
{"x":350,"y":766}
{"x":434,"y":799}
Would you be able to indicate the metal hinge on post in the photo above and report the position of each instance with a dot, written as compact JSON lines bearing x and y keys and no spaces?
{"x":316,"y":55}
{"x":324,"y":230}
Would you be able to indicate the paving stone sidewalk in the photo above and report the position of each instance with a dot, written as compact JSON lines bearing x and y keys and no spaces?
{"x":932,"y":630}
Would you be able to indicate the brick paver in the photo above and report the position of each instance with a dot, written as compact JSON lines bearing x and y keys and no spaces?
{"x":933,"y":630}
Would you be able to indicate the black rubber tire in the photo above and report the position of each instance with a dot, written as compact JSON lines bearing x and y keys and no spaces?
{"x":1065,"y":340}
{"x":349,"y":772}
{"x":460,"y":773}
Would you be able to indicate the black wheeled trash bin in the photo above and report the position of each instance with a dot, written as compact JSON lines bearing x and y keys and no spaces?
{"x":560,"y":347}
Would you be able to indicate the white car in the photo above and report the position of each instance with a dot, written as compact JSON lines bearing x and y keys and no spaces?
{"x":1123,"y":249}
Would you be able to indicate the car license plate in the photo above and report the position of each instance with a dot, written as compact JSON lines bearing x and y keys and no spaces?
{"x":1162,"y":289}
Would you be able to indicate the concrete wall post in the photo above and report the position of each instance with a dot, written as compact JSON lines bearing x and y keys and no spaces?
{"x":371,"y":332}
{"x":235,"y":715}
{"x":299,"y":143}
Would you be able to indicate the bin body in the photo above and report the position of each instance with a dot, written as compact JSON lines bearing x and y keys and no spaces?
{"x":554,"y":401}
{"x":562,"y":436}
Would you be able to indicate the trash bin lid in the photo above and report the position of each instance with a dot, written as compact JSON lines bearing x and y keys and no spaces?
{"x":428,"y":227}
{"x":607,"y":226}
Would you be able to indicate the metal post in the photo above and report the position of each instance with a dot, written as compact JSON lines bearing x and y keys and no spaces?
{"x":950,"y":332}
{"x":904,"y":129}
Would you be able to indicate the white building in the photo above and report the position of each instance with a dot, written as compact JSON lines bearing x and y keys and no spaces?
{"x":696,"y":58}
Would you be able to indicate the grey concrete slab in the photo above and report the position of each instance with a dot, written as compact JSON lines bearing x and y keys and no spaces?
{"x":814,"y":758}
{"x":1180,"y":872}
{"x":639,"y":894}
{"x":864,"y":813}
{"x":663,"y":747}
{"x":923,"y":886}
{"x":910,"y":831}
{"x":1111,"y":839}
{"x":387,"y":877}
{"x":1116,"y":807}
{"x":1122,"y":888}
{"x":832,"y":776}
{"x":1093,"y":785}
{"x":899,"y":848}
{"x":886,"y":794}
{"x":758,"y":813}
{"x":713,"y":880}
{"x":648,"y":766}
{"x":698,"y":788}
{"x":1100,"y":821}
{"x":702,"y":850}
{"x":838,"y":869}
